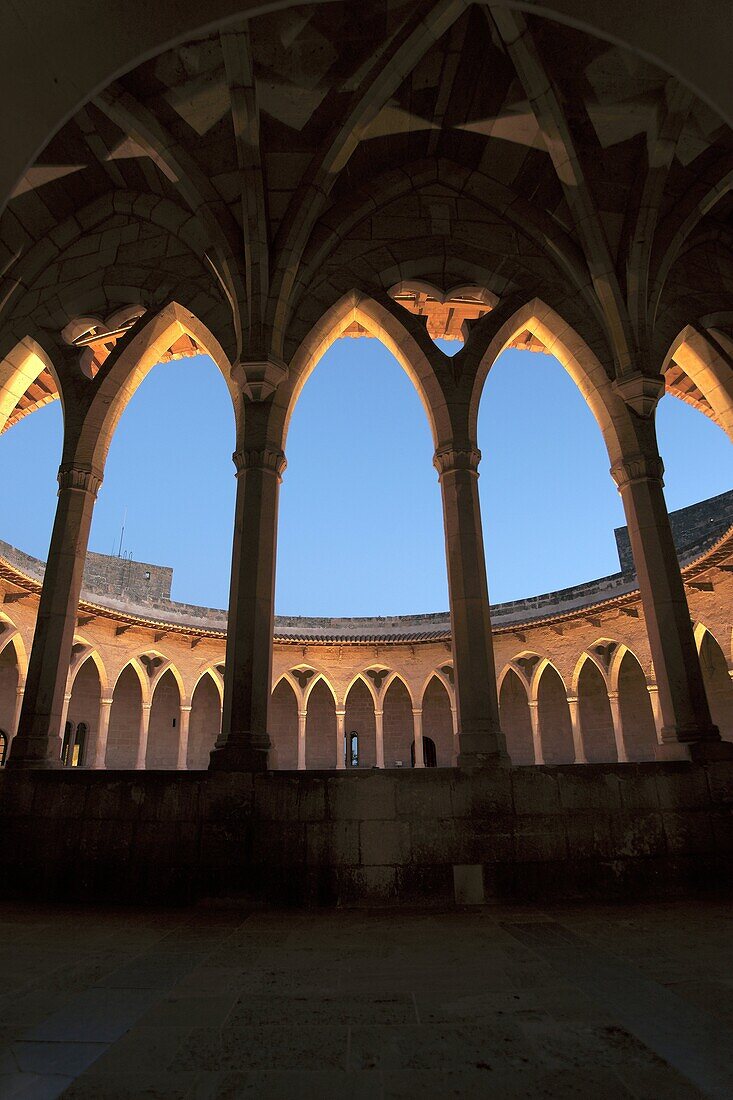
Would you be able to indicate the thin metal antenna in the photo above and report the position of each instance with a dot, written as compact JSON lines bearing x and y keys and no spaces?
{"x":122,"y":533}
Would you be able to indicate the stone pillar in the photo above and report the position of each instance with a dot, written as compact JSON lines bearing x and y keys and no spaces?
{"x":454,"y":723}
{"x":379,"y":734}
{"x":184,"y":721}
{"x":340,"y":739}
{"x":38,"y":742}
{"x":578,"y":746}
{"x":142,"y":743}
{"x":243,"y":743}
{"x":618,"y":727}
{"x":302,"y":725}
{"x":417,"y":738}
{"x":682,"y":699}
{"x":100,"y":747}
{"x":534,"y":718}
{"x":656,"y":710}
{"x":479,"y":734}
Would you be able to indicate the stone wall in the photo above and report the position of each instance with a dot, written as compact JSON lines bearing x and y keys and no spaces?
{"x":391,"y":837}
{"x":697,"y":526}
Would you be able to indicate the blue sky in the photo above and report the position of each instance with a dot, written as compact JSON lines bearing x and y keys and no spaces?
{"x":360,"y":519}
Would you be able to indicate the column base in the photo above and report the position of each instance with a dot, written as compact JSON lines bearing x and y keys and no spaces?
{"x":32,"y":754}
{"x":27,"y":764}
{"x":694,"y":744}
{"x":241,"y":752}
{"x":480,"y":750}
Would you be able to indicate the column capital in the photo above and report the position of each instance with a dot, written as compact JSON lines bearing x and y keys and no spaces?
{"x":417,"y":710}
{"x":641,"y":392}
{"x":259,"y":378}
{"x":452,"y":457}
{"x":188,"y":707}
{"x":570,"y":699}
{"x":264,"y":458}
{"x":637,"y":467}
{"x":106,"y":702}
{"x":83,"y":479}
{"x":146,"y":706}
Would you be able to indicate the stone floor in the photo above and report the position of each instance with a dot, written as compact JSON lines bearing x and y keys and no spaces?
{"x":593,"y":1002}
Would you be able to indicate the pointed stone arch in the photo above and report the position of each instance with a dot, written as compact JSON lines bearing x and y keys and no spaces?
{"x":23,"y":364}
{"x":205,"y":721}
{"x":716,"y":671}
{"x":128,"y":364}
{"x":705,"y":364}
{"x":590,"y":685}
{"x":397,"y":703}
{"x":611,"y":413}
{"x":548,"y":691}
{"x":631,"y":685}
{"x":382,"y":321}
{"x":516,"y":720}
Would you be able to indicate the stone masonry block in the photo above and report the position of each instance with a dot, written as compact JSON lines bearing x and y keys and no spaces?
{"x":425,"y":793}
{"x":384,"y":842}
{"x":720,"y":782}
{"x":688,"y":833}
{"x":361,"y":797}
{"x":589,"y":836}
{"x":683,"y":786}
{"x":481,"y":792}
{"x":535,"y":791}
{"x":589,"y":788}
{"x":540,"y":837}
{"x":638,"y":835}
{"x":332,"y":842}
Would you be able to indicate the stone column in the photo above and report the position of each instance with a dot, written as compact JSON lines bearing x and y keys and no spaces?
{"x":340,"y":739}
{"x":302,"y":726}
{"x":454,"y":723}
{"x":38,"y":742}
{"x":534,"y":718}
{"x":682,"y":699}
{"x":656,"y":710}
{"x":142,"y":743}
{"x":479,"y":734}
{"x":184,"y":721}
{"x":379,"y":732}
{"x":417,"y":738}
{"x":578,"y":746}
{"x":244,"y":742}
{"x":100,"y":747}
{"x":618,"y":727}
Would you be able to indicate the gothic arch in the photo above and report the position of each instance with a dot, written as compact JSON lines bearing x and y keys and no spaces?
{"x":128,"y":364}
{"x":394,"y":676}
{"x":15,"y":638}
{"x":210,"y":671}
{"x":320,"y":677}
{"x":137,"y":668}
{"x":704,"y":365}
{"x":19,"y":369}
{"x":383,"y":322}
{"x":92,"y":654}
{"x":611,"y":413}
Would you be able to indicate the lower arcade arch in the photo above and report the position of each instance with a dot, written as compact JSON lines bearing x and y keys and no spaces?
{"x":636,"y":713}
{"x":397,"y":724}
{"x":82,"y":717}
{"x":360,"y":727}
{"x":164,"y":731}
{"x":125,"y":721}
{"x":596,"y":720}
{"x":321,"y":748}
{"x":516,"y":721}
{"x":204,"y":723}
{"x":718,"y":684}
{"x":10,"y":683}
{"x":283,"y":723}
{"x":437,"y":723}
{"x":553,"y":716}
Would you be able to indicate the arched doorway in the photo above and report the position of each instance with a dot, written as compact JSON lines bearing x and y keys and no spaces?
{"x":596,"y":721}
{"x":437,"y":722}
{"x":515,"y":719}
{"x":718,"y":685}
{"x":9,"y":681}
{"x":397,"y":724}
{"x":637,"y":716}
{"x":283,"y":727}
{"x":165,"y":716}
{"x":556,"y":730}
{"x":204,"y":723}
{"x":429,"y":753}
{"x":361,"y":729}
{"x":320,"y":728}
